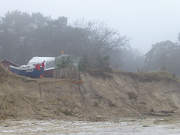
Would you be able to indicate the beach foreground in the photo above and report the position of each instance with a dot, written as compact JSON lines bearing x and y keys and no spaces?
{"x":123,"y":127}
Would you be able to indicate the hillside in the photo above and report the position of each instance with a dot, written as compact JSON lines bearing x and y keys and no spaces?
{"x":99,"y":97}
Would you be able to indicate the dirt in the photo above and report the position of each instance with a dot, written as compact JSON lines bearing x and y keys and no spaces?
{"x":98,"y":97}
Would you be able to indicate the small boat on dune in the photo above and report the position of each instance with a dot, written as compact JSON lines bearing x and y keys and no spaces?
{"x":33,"y":70}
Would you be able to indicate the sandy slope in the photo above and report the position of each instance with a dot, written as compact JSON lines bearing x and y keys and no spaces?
{"x":99,"y":97}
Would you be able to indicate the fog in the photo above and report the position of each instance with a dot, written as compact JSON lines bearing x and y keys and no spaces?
{"x":120,"y":36}
{"x":144,"y":22}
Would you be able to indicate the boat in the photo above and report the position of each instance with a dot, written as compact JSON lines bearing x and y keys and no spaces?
{"x":32,"y":70}
{"x":49,"y":63}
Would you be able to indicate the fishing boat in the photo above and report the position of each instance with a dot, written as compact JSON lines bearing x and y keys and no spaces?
{"x":30,"y":70}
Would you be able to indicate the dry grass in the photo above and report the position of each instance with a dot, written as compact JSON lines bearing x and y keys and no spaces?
{"x":149,"y":76}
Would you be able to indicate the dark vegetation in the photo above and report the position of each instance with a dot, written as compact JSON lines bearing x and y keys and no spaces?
{"x":23,"y":36}
{"x":164,"y":56}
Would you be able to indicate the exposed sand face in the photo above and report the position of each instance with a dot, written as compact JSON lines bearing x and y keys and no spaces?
{"x":55,"y":127}
{"x":95,"y":100}
{"x":100,"y":96}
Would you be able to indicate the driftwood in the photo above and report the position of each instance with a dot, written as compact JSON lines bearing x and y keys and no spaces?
{"x":161,"y":113}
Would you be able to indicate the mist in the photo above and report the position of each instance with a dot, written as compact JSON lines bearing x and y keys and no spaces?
{"x":144,"y":22}
{"x":108,"y":35}
{"x":103,"y":63}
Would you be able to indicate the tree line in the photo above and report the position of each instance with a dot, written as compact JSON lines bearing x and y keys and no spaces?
{"x":23,"y":36}
{"x":164,"y":56}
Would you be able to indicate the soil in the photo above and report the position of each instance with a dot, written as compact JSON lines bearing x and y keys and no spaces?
{"x":97,"y":97}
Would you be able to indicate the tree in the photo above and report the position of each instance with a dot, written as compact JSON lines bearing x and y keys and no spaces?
{"x":164,"y":55}
{"x":23,"y":36}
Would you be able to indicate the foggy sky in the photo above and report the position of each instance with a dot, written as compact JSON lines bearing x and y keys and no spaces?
{"x":144,"y":22}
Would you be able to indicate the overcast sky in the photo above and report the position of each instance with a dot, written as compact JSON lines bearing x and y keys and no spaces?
{"x":143,"y":21}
